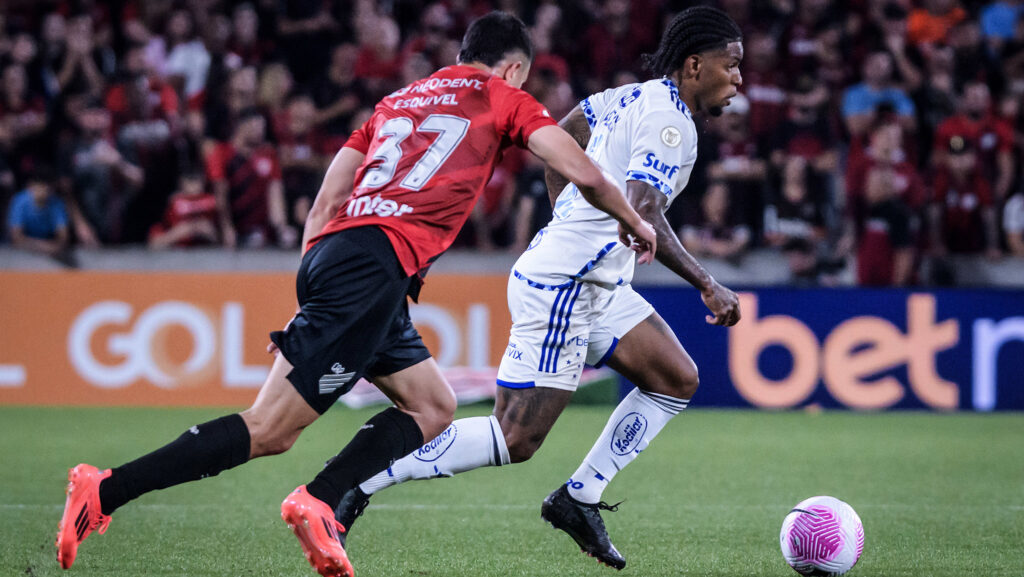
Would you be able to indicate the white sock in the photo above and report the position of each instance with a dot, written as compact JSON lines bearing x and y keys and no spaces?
{"x":637,"y":419}
{"x":465,"y":445}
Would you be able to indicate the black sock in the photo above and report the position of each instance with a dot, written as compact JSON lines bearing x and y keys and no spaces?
{"x":386,"y":437}
{"x":202,"y":451}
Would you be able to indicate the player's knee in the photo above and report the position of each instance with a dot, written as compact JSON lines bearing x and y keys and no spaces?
{"x":435,"y":418}
{"x":680,"y":381}
{"x":267,"y":442}
{"x":267,"y":437}
{"x":689,"y":380}
{"x":520,"y":446}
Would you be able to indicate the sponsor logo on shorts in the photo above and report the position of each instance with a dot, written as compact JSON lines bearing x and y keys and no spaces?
{"x":336,"y":379}
{"x":433,"y":450}
{"x":513,"y":352}
{"x":628,"y":433}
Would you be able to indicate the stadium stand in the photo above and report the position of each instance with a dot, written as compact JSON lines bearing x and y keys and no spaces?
{"x":879,"y":142}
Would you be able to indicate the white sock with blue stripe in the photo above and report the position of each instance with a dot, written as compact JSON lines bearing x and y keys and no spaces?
{"x":465,"y":445}
{"x":638,"y":418}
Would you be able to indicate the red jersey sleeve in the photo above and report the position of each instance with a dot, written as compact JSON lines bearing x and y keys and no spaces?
{"x":359,"y":140}
{"x":516,"y":114}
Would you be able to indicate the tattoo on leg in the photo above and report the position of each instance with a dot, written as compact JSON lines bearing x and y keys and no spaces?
{"x":530,"y":407}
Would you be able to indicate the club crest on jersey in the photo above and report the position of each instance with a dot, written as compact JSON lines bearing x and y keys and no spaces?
{"x":628,"y":433}
{"x":433,"y":450}
{"x":663,"y":167}
{"x":671,"y":136}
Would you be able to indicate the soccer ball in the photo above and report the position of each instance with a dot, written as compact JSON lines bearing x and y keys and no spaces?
{"x":822,"y":536}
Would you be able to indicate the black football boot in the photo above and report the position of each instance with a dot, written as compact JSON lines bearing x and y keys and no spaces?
{"x":582,"y":521}
{"x":352,"y":505}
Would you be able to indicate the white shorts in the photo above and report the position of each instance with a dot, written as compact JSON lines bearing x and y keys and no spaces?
{"x":555,"y":331}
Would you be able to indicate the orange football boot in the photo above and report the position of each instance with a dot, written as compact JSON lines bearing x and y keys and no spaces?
{"x":314,"y":524}
{"x":82,"y":514}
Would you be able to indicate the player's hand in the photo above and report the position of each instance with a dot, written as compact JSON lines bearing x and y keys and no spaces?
{"x":723,"y":304}
{"x":643,"y":240}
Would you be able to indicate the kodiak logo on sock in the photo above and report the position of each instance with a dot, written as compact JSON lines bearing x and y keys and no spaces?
{"x":628,"y":433}
{"x":433,"y":450}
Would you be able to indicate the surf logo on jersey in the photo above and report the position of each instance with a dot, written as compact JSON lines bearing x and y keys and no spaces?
{"x":628,"y":433}
{"x":365,"y":205}
{"x":433,"y":450}
{"x":651,"y":161}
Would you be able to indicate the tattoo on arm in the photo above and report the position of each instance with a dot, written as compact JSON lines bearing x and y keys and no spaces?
{"x":575,"y":123}
{"x":649,"y":202}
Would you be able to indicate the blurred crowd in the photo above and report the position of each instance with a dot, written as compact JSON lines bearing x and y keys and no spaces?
{"x":884,"y":134}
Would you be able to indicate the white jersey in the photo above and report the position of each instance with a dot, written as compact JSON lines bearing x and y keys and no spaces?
{"x":640,"y":132}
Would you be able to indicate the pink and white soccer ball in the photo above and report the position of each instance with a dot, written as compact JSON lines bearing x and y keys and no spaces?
{"x":822,"y":536}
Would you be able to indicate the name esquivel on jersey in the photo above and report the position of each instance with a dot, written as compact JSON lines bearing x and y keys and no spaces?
{"x":430,"y":149}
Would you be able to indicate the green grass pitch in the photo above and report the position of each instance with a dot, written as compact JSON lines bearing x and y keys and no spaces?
{"x":940,"y":495}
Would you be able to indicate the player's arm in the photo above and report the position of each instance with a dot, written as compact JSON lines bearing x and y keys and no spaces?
{"x":335,"y":190}
{"x":555,"y":147}
{"x":649,"y":202}
{"x":575,"y":123}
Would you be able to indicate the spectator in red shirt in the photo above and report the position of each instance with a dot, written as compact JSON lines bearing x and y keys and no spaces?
{"x":990,"y":138}
{"x":141,"y":88}
{"x":737,"y":163}
{"x":962,"y":217}
{"x":246,"y":178}
{"x":305,"y":153}
{"x":807,"y":134}
{"x":614,"y":43}
{"x":798,"y":44}
{"x":246,"y":43}
{"x":762,"y":85}
{"x":379,"y":62}
{"x":191,"y":218}
{"x":275,"y":86}
{"x":882,"y":190}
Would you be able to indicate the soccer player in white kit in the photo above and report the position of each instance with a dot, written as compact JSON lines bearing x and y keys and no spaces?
{"x":570,"y":297}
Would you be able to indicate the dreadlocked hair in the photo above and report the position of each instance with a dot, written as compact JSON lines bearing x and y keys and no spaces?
{"x":694,"y":30}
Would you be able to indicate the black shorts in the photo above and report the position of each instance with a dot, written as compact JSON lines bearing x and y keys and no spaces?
{"x":353,"y":319}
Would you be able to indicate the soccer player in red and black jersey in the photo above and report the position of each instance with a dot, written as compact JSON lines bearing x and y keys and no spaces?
{"x":392,"y":201}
